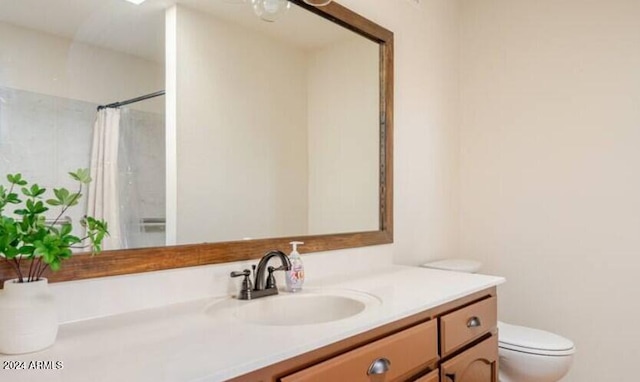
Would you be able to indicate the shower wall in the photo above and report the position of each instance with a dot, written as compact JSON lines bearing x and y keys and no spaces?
{"x":44,"y":137}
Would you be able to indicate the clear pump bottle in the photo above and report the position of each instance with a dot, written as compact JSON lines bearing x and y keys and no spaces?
{"x":295,"y":277}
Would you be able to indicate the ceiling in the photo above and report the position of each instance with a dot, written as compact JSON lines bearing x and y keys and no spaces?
{"x":139,"y":29}
{"x":111,"y":24}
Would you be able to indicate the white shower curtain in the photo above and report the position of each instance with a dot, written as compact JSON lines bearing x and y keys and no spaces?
{"x":102,"y":196}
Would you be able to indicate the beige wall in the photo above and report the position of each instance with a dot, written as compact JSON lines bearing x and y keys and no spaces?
{"x":343,"y":135}
{"x":224,"y":126}
{"x":52,"y":65}
{"x":426,"y":140}
{"x":550,"y":168}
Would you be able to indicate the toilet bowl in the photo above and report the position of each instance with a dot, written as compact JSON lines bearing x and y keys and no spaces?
{"x":532,"y":355}
{"x":525,"y":354}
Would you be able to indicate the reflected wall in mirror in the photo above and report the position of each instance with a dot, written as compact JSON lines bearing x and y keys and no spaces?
{"x":276,"y":134}
{"x":267,"y":130}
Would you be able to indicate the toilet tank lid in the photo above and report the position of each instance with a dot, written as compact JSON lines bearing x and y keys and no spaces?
{"x":457,"y":265}
{"x":533,"y":340}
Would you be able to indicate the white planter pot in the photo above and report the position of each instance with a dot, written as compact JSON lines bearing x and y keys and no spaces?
{"x":28,"y":319}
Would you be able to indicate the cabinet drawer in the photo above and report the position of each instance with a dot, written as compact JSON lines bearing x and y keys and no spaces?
{"x":407,"y":352}
{"x":467,"y":324}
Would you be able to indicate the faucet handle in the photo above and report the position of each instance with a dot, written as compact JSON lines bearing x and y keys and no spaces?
{"x":245,"y":292}
{"x":244,"y":273}
{"x":271,"y":281}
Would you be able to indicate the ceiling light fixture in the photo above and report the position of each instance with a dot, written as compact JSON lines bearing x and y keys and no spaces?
{"x":271,"y":10}
{"x":136,"y":2}
{"x":317,"y":3}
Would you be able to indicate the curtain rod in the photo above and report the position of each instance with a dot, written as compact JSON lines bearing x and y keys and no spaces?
{"x":132,"y":100}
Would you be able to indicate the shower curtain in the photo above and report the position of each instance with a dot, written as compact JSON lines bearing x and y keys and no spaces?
{"x":102,"y":195}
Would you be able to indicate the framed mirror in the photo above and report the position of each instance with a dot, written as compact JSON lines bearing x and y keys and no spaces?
{"x":237,"y":135}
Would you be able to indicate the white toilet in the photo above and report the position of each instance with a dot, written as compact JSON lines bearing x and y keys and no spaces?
{"x":526,"y":354}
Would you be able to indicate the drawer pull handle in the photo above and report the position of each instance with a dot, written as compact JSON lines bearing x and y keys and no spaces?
{"x":452,"y":377}
{"x":474,"y":322}
{"x":379,"y":366}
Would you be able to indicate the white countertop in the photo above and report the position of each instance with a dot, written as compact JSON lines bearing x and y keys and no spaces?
{"x":181,"y":342}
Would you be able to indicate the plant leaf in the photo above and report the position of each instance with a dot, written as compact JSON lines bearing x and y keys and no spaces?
{"x":13,"y":198}
{"x":73,"y":199}
{"x":71,"y":240}
{"x":54,"y":265}
{"x":26,"y":250}
{"x":82,"y":175}
{"x":16,"y":179}
{"x":36,"y":190}
{"x":39,"y":208}
{"x":61,"y":193}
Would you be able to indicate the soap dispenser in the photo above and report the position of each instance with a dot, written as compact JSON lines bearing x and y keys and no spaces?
{"x":295,"y":277}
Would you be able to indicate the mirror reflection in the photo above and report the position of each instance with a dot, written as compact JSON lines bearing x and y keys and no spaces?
{"x":261,"y":129}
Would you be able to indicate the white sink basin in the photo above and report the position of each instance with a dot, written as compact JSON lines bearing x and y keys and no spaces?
{"x":303,"y":308}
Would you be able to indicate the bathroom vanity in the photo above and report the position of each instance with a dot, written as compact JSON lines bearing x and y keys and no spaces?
{"x":454,"y":342}
{"x":419,"y":324}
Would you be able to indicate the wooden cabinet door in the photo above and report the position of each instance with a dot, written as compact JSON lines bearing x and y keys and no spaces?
{"x":478,"y":364}
{"x":434,"y":376}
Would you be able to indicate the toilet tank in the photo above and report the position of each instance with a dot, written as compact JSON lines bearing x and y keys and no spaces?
{"x":456,"y":265}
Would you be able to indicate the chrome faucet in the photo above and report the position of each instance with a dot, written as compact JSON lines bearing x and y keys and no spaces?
{"x":262,"y":287}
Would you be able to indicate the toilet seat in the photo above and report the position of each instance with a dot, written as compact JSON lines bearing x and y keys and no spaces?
{"x":533,"y":341}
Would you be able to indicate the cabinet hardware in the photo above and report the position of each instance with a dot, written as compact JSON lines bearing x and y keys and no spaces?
{"x":474,"y":322}
{"x":379,"y":366}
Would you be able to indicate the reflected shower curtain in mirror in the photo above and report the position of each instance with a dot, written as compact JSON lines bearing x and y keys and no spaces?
{"x":103,"y":190}
{"x":141,"y":163}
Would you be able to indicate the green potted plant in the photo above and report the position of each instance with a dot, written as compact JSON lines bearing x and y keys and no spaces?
{"x":31,"y":245}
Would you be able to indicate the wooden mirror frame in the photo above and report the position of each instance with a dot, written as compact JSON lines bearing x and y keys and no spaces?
{"x":130,"y":261}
